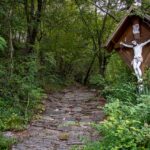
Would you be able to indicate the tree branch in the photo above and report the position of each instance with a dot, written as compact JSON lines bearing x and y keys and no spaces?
{"x":86,"y":24}
{"x":105,"y":11}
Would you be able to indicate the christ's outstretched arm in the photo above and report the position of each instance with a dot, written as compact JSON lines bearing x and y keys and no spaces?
{"x":146,"y":42}
{"x":126,"y":45}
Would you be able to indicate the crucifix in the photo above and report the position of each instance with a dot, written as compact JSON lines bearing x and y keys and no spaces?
{"x":137,"y":49}
{"x":138,"y":59}
{"x":134,"y":35}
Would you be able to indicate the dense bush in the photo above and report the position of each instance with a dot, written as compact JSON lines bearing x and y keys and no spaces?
{"x":117,"y":71}
{"x":125,"y":92}
{"x":20,"y":95}
{"x":19,"y":92}
{"x":147,"y":82}
{"x":126,"y":127}
{"x":5,"y":143}
{"x":97,"y":81}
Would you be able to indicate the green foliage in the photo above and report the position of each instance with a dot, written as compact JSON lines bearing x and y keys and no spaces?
{"x":117,"y":71}
{"x":125,"y":92}
{"x":11,"y":119}
{"x":147,"y":82}
{"x":5,"y":143}
{"x":64,"y":37}
{"x":127,"y":123}
{"x":126,"y":126}
{"x":118,"y":77}
{"x":97,"y":81}
{"x":20,"y":94}
{"x":2,"y":43}
{"x":144,"y":107}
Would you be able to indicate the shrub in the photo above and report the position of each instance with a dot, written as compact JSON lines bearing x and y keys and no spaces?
{"x":97,"y":81}
{"x":147,"y":82}
{"x":125,"y":92}
{"x":19,"y":93}
{"x":117,"y":71}
{"x":127,"y":125}
{"x":5,"y":143}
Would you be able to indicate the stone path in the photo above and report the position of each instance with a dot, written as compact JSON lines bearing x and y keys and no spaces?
{"x":65,"y":122}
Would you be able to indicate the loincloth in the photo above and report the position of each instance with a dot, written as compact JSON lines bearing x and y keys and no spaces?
{"x":137,"y":59}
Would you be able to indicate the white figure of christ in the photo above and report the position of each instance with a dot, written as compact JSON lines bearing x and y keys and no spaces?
{"x":138,"y":59}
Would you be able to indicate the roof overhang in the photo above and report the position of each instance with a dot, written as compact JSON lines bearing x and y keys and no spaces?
{"x":112,"y":39}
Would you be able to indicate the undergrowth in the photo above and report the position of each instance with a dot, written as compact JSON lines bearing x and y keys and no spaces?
{"x":127,"y":123}
{"x":5,"y":143}
{"x":20,"y":93}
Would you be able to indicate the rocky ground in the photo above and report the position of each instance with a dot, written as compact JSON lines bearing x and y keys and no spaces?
{"x":65,"y":122}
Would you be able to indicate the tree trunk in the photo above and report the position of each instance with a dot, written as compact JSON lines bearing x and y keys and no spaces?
{"x":33,"y":18}
{"x":101,"y":53}
{"x":89,"y":69}
{"x":11,"y":47}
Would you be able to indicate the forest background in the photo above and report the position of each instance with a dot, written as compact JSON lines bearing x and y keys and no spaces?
{"x":46,"y":45}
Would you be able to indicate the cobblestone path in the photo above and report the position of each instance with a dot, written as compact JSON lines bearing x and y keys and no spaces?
{"x":65,"y":122}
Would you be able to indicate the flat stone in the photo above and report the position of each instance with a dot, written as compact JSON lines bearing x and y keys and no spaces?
{"x":77,"y":109}
{"x":48,"y":118}
{"x":86,"y":119}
